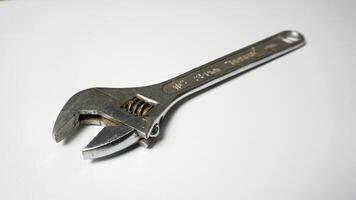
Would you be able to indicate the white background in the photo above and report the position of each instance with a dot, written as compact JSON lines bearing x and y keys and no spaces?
{"x":285,"y":130}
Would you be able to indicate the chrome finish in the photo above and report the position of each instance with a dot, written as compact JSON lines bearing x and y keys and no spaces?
{"x":133,"y":115}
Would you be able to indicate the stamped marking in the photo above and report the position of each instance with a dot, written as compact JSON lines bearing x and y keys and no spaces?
{"x":210,"y":72}
{"x":179,"y":84}
{"x":200,"y":76}
{"x":191,"y":79}
{"x":242,"y":58}
{"x":270,"y":46}
{"x":237,"y":61}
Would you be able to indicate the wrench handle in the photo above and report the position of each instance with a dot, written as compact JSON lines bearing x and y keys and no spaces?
{"x":233,"y":64}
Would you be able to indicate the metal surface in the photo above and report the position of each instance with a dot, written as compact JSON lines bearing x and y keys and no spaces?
{"x":133,"y":115}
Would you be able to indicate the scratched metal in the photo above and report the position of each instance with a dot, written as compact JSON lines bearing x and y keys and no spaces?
{"x":133,"y":115}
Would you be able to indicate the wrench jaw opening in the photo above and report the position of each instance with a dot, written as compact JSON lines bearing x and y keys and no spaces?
{"x":114,"y":137}
{"x":127,"y":118}
{"x":69,"y":118}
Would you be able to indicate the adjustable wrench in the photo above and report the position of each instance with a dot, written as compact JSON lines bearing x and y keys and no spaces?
{"x":133,"y":115}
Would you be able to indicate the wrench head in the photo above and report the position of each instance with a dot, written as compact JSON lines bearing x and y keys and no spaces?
{"x":128,"y":118}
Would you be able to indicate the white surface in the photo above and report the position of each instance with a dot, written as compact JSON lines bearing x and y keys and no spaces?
{"x":283,"y":131}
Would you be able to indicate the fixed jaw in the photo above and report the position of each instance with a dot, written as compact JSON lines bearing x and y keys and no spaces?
{"x":83,"y":103}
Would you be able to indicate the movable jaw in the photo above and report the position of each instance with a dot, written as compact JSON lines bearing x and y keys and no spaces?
{"x":128,"y":118}
{"x":110,"y":140}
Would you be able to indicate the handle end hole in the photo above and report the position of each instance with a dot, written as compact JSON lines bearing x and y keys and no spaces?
{"x":291,"y":36}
